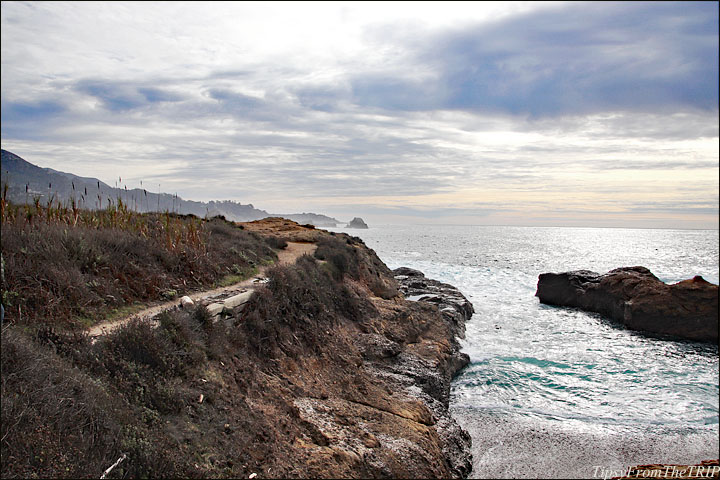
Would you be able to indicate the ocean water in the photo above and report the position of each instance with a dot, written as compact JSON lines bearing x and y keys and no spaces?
{"x":555,"y":392}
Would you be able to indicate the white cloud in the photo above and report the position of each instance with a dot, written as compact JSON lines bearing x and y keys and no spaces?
{"x":344,"y":107}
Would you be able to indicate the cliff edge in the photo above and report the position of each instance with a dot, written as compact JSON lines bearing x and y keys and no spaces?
{"x":335,"y":367}
{"x":369,"y":372}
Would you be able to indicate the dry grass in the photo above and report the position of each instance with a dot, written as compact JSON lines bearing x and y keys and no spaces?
{"x":76,"y":266}
{"x":56,"y":420}
{"x":71,"y":407}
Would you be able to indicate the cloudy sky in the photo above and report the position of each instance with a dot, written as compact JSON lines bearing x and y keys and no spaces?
{"x":537,"y":113}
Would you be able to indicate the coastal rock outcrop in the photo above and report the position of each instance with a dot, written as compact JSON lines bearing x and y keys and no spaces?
{"x":434,"y":373}
{"x":325,"y":370}
{"x":456,"y":309}
{"x":365,"y":373}
{"x":639,"y":300}
{"x":357,"y":222}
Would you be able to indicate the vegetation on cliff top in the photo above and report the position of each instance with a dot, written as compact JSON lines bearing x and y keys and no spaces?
{"x":193,"y":396}
{"x":74,"y":267}
{"x":174,"y":399}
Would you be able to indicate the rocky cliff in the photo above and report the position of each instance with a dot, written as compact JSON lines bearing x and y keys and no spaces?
{"x":327,"y":370}
{"x":636,"y":298}
{"x":455,"y":308}
{"x":371,"y":384}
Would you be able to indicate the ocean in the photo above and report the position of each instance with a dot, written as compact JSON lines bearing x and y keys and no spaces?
{"x":555,"y":392}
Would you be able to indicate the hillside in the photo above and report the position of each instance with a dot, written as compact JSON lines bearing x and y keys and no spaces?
{"x":27,"y":181}
{"x":327,"y":371}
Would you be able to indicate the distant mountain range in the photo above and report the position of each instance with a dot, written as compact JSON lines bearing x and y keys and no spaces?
{"x":26,"y":181}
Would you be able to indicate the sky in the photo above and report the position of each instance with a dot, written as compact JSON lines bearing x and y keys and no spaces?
{"x":486,"y":113}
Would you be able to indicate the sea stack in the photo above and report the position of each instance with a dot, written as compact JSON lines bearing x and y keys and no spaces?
{"x":639,"y":300}
{"x":357,"y":222}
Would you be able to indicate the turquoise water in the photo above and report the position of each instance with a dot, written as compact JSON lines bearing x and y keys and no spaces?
{"x":554,"y":392}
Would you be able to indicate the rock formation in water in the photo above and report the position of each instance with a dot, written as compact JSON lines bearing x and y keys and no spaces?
{"x":357,"y":222}
{"x":636,"y":298}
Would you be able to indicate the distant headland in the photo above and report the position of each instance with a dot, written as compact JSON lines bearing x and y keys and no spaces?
{"x":27,"y":181}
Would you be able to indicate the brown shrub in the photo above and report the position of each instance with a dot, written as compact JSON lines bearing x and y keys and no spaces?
{"x":56,"y":421}
{"x":276,"y":242}
{"x":340,"y":254}
{"x":294,"y":310}
{"x":61,"y":386}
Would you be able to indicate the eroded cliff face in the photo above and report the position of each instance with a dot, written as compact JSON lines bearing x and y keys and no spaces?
{"x":636,"y":298}
{"x":366,"y":391}
{"x":324,"y":371}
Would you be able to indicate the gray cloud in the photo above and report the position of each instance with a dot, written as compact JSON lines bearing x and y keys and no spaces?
{"x":325,"y":98}
{"x":154,"y":95}
{"x":596,"y":88}
{"x":646,"y":126}
{"x":124,"y":96}
{"x":26,"y":119}
{"x":576,"y":59}
{"x":236,"y":102}
{"x":34,"y":110}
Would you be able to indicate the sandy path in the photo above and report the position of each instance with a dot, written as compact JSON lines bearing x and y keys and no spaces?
{"x":288,"y":255}
{"x":295,"y":250}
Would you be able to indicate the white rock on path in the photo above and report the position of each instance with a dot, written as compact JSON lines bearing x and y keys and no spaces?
{"x":239,"y":299}
{"x":215,"y":308}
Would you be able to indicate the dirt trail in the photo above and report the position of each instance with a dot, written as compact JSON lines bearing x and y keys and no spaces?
{"x":295,"y":250}
{"x":288,"y":255}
